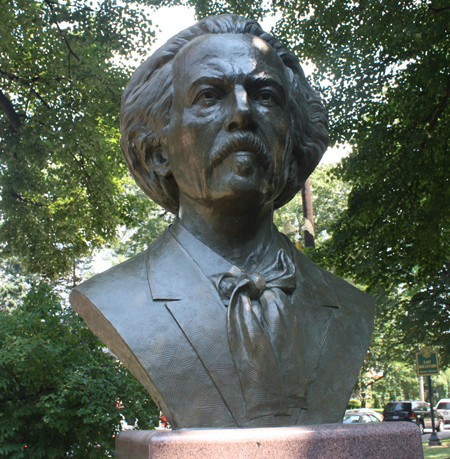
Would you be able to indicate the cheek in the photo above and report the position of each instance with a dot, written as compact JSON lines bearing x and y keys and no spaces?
{"x":187,"y":140}
{"x":275,"y":124}
{"x":193,"y":128}
{"x":280,"y":137}
{"x":283,"y":125}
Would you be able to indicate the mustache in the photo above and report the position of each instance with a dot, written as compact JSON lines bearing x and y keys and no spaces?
{"x":240,"y":141}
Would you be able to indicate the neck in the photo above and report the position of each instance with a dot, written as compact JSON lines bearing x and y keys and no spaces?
{"x":239,"y":237}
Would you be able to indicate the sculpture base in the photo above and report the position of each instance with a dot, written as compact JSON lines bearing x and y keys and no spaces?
{"x":396,"y":440}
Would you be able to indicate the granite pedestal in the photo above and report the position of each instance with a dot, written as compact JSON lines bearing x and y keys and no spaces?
{"x":396,"y":440}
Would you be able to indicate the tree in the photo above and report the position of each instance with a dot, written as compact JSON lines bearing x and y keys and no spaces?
{"x":441,"y":385}
{"x":60,"y":392}
{"x":14,"y":284}
{"x":387,"y":65}
{"x":63,"y":193}
{"x":384,"y":69}
{"x":329,"y":197}
{"x":427,"y":319}
{"x":147,"y":227}
{"x":60,"y":165}
{"x":388,"y":371}
{"x":250,"y":8}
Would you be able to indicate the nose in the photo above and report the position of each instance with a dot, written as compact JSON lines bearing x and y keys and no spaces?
{"x":241,"y":114}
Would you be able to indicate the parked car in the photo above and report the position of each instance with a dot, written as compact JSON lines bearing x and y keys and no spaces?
{"x":414,"y":411}
{"x":443,"y":407}
{"x":361,"y":416}
{"x":365,"y":411}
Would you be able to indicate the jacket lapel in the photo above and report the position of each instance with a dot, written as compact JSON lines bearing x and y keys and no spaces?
{"x":171,"y":274}
{"x":198,"y":310}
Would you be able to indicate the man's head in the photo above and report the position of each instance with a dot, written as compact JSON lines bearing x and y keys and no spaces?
{"x":287,"y":132}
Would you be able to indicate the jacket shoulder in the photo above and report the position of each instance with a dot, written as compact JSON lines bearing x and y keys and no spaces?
{"x":332,"y":289}
{"x":121,"y":280}
{"x":117,"y":306}
{"x":111,"y":299}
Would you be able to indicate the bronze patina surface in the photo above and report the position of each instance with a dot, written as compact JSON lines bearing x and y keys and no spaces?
{"x":222,"y":320}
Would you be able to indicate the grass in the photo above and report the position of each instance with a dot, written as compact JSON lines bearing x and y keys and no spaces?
{"x":437,"y":452}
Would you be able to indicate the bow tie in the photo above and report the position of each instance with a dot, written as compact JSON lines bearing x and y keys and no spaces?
{"x":264,"y":337}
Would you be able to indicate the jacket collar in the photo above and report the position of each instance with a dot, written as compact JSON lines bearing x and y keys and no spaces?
{"x":168,"y":275}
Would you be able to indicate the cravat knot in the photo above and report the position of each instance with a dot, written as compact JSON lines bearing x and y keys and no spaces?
{"x":280,"y":274}
{"x":264,"y":337}
{"x":251,"y":284}
{"x":256,"y":284}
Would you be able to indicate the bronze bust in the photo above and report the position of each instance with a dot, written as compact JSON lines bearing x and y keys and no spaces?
{"x":222,"y":320}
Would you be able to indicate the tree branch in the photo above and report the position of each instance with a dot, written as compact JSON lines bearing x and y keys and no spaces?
{"x":26,"y":200}
{"x":375,"y":380}
{"x":440,"y":108}
{"x":439,"y":10}
{"x":8,"y":108}
{"x":51,"y":6}
{"x":26,"y":82}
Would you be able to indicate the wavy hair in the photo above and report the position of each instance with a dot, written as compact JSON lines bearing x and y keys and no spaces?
{"x":147,"y":99}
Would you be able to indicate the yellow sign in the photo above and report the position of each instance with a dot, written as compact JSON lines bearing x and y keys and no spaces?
{"x":427,"y":362}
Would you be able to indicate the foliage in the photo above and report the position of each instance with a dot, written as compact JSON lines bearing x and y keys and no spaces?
{"x":401,"y":383}
{"x":59,"y":390}
{"x":389,"y":343}
{"x":255,"y":9}
{"x":14,"y":284}
{"x":329,"y":197}
{"x":61,"y":168}
{"x":404,"y":323}
{"x":148,"y":225}
{"x":353,"y":404}
{"x":384,"y":69}
{"x":427,"y":319}
{"x":389,"y":370}
{"x":441,"y":385}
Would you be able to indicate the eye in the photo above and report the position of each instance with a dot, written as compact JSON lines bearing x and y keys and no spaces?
{"x":266,"y":97}
{"x":207,"y":97}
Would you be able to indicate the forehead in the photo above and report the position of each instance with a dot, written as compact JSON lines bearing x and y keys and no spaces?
{"x":228,"y":55}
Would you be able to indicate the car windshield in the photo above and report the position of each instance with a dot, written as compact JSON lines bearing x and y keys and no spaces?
{"x":398,"y":406}
{"x":443,"y":406}
{"x":350,"y":418}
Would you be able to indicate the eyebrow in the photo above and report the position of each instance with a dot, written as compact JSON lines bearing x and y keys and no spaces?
{"x":205,"y":80}
{"x":256,"y":80}
{"x":264,"y":80}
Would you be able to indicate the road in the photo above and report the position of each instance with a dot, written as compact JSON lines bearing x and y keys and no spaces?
{"x":441,"y":435}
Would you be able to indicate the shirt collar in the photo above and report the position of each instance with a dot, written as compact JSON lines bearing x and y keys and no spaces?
{"x":208,"y":261}
{"x":211,"y":262}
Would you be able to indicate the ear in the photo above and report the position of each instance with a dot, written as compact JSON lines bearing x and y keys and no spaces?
{"x":160,"y":162}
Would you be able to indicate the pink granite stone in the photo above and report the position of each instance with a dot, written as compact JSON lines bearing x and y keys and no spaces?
{"x":396,"y":440}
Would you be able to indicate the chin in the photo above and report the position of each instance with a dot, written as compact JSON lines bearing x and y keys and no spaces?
{"x":242,"y":200}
